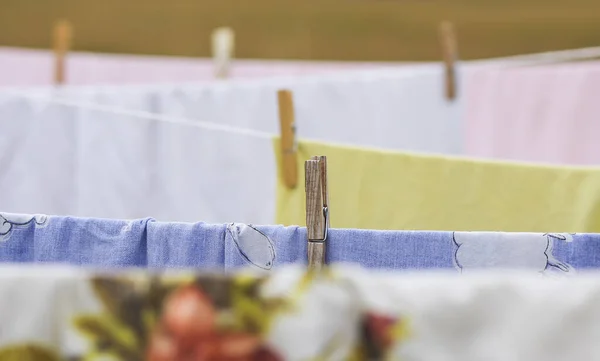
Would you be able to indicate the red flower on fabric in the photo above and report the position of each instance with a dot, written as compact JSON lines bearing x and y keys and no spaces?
{"x":187,"y":332}
{"x":380,"y":328}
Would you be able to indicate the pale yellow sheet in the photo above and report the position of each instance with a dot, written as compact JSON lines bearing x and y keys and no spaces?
{"x":371,"y":189}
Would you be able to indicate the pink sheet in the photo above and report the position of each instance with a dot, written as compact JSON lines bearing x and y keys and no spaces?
{"x":25,"y":67}
{"x":547,"y":114}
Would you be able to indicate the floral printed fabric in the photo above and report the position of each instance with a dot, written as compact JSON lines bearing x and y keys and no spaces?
{"x":341,"y":313}
{"x":49,"y":313}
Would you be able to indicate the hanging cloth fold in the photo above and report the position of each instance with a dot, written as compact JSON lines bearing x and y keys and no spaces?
{"x":146,"y":243}
{"x":374,"y":189}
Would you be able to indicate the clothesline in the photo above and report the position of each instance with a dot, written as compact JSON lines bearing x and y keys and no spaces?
{"x":142,"y":115}
{"x":173,"y":173}
{"x":177,"y":120}
{"x":544,"y":58}
{"x":146,"y":243}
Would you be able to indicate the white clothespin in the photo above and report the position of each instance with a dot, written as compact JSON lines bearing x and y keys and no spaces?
{"x":317,"y":210}
{"x":223,"y":44}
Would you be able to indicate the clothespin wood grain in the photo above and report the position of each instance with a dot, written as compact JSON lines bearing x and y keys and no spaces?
{"x":450,"y":56}
{"x":289,"y":152}
{"x":317,"y":210}
{"x":63,"y":34}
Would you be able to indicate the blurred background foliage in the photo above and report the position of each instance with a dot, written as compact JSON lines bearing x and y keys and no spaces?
{"x":387,"y":30}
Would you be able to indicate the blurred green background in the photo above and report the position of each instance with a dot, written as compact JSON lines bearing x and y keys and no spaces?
{"x":385,"y":30}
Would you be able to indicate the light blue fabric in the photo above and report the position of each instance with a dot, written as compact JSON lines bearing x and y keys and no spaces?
{"x":152,"y":244}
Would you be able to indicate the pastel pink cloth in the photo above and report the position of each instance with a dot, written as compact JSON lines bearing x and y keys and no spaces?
{"x":548,"y":114}
{"x":28,"y":67}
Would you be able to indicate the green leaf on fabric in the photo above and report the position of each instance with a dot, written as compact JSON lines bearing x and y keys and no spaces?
{"x":251,"y":311}
{"x":122,"y":299}
{"x":110,"y":336}
{"x":28,"y":352}
{"x":158,"y":290}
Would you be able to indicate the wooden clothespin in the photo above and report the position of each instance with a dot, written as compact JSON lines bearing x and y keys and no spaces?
{"x":289,"y":148}
{"x":317,"y":210}
{"x":450,"y":56}
{"x":223,"y":46}
{"x":62,"y":43}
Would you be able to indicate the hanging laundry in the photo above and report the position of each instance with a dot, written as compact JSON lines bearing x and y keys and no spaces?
{"x":69,"y":314}
{"x":376,"y":189}
{"x":144,"y":243}
{"x":391,"y":107}
{"x":32,"y":67}
{"x":482,"y":316}
{"x":402,"y":108}
{"x":546,"y":114}
{"x":343,"y":313}
{"x":61,"y":159}
{"x":148,"y":243}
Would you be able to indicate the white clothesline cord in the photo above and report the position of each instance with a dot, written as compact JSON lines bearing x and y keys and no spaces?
{"x":544,"y":58}
{"x":142,"y":115}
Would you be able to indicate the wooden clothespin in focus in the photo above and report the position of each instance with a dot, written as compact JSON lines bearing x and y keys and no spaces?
{"x":317,"y":210}
{"x":63,"y":33}
{"x":450,"y":56}
{"x":289,"y":148}
{"x":223,"y":46}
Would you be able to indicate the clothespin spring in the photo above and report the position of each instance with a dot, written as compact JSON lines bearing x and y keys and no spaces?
{"x":325,"y":227}
{"x":294,"y":148}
